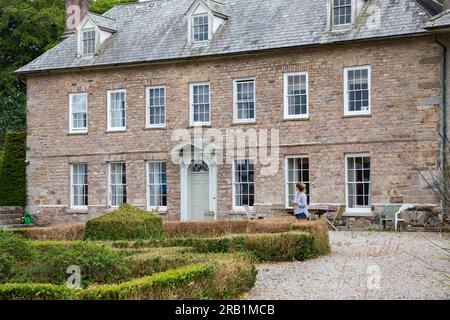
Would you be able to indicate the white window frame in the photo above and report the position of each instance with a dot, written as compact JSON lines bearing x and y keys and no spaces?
{"x":161,"y":209}
{"x":357,"y":211}
{"x":71,"y":128}
{"x":148,"y":125}
{"x":72,"y":195}
{"x":288,"y":205}
{"x":235,"y":102}
{"x":109,"y":183}
{"x":191,"y":105}
{"x":116,"y":129}
{"x":347,"y":111}
{"x":237,"y":208}
{"x":82,"y":41}
{"x":286,"y":98}
{"x":343,"y":25}
{"x":192,"y":33}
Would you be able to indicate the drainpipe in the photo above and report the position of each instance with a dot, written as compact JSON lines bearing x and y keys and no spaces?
{"x":443,"y":80}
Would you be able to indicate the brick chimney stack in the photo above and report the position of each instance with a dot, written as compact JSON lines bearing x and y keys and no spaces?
{"x":75,"y":12}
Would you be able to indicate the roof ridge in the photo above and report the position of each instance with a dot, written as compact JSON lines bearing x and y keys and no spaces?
{"x":430,"y":3}
{"x":443,"y":13}
{"x":101,"y":16}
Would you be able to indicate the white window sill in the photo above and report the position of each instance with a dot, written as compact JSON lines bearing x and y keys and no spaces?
{"x":77,"y":210}
{"x":156,"y":127}
{"x":241,"y":210}
{"x":358,"y":213}
{"x":357,"y":114}
{"x":159,"y":210}
{"x":200,"y":124}
{"x":297,"y":117}
{"x":237,"y":122}
{"x":116,"y":130}
{"x":74,"y":133}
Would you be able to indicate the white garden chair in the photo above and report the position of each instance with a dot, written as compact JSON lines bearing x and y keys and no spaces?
{"x":400,"y":211}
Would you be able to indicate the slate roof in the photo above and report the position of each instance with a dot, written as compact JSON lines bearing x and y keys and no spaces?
{"x":103,"y":21}
{"x":157,"y":30}
{"x":440,"y":21}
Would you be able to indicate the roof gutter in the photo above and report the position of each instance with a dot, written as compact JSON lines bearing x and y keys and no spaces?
{"x":444,"y":137}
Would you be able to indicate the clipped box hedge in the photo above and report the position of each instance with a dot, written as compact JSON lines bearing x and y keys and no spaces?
{"x":214,"y":280}
{"x":267,"y":247}
{"x":34,"y":291}
{"x":125,"y":223}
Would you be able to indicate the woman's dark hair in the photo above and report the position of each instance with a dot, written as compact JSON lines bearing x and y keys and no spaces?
{"x":301,"y":187}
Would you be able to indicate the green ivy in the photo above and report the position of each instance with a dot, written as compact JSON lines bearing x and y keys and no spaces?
{"x":13,"y":190}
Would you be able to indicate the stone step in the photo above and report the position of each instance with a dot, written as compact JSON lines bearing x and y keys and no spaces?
{"x":3,"y":212}
{"x":10,"y":216}
{"x":7,"y":222}
{"x":16,"y":226}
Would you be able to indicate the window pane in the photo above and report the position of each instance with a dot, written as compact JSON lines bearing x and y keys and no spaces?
{"x":200,"y":103}
{"x":298,"y":171}
{"x":200,"y":28}
{"x":358,"y":182}
{"x":118,"y":187}
{"x":89,"y":42}
{"x":244,"y":182}
{"x":245,"y":104}
{"x":78,"y":106}
{"x":79,"y":185}
{"x":297,"y":95}
{"x":342,"y":12}
{"x":157,"y":107}
{"x":117,"y":109}
{"x":358,"y":90}
{"x":157,"y":177}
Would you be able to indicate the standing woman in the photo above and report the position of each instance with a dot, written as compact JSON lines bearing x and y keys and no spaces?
{"x":300,"y":202}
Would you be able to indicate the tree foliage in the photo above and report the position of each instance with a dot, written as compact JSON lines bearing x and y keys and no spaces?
{"x":13,"y":171}
{"x":101,"y":6}
{"x":27,"y":29}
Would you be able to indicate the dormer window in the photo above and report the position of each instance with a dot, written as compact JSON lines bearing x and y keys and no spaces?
{"x":200,"y":28}
{"x":342,"y":12}
{"x":205,"y":19}
{"x":93,"y":31}
{"x":88,"y":42}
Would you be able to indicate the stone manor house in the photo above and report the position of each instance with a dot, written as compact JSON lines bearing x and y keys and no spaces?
{"x":355,"y":89}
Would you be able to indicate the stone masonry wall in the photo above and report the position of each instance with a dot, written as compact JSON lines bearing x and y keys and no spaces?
{"x":401,"y":135}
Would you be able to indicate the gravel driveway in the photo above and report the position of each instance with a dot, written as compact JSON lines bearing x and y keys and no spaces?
{"x":408,"y":265}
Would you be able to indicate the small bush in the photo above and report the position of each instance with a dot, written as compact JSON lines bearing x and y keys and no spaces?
{"x":14,"y":253}
{"x":67,"y":232}
{"x":33,"y":291}
{"x":125,"y":223}
{"x":13,"y":190}
{"x":97,"y":265}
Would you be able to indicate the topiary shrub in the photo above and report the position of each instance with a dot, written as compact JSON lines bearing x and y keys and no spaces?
{"x":13,"y":189}
{"x":125,"y":223}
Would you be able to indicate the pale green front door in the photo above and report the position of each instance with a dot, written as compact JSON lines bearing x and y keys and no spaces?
{"x":199,"y":195}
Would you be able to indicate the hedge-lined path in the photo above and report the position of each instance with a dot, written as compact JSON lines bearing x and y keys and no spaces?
{"x":411,"y":267}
